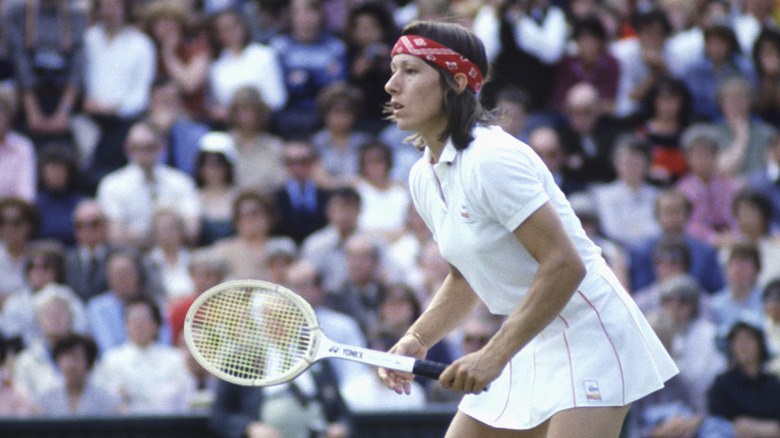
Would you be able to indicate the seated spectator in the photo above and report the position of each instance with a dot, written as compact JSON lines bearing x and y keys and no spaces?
{"x":589,"y":135}
{"x":664,"y":115}
{"x":753,"y":211}
{"x":33,"y":370}
{"x":303,"y":279}
{"x":149,"y":376}
{"x":201,"y":389}
{"x":473,"y":334}
{"x":672,"y":211}
{"x":642,"y":59}
{"x":236,"y":65}
{"x":668,"y":411}
{"x":58,"y":192}
{"x":741,"y":293}
{"x":404,"y":252}
{"x":367,"y":392}
{"x":709,"y":192}
{"x":615,"y":254}
{"x":19,"y":223}
{"x":744,"y":137}
{"x":767,"y":182}
{"x":85,"y":262}
{"x":130,"y":195}
{"x":17,"y":155}
{"x":216,"y":180}
{"x":280,"y":254}
{"x":515,"y":118}
{"x":693,"y":337}
{"x":178,"y":131}
{"x":670,"y":258}
{"x":399,"y":307}
{"x":744,"y":400}
{"x":259,"y":152}
{"x":722,"y":59}
{"x":44,"y":274}
{"x":370,"y":34}
{"x":325,"y":247}
{"x":254,"y":217}
{"x":13,"y":402}
{"x":771,"y":300}
{"x":127,"y":279}
{"x":360,"y":293}
{"x":590,"y":61}
{"x":546,"y":141}
{"x":300,"y":203}
{"x":625,"y":206}
{"x":207,"y":269}
{"x":183,"y":53}
{"x":384,"y":201}
{"x":170,"y":254}
{"x":766,"y":63}
{"x":312,"y":58}
{"x":45,"y":41}
{"x":77,"y":394}
{"x":119,"y":64}
{"x":338,"y":142}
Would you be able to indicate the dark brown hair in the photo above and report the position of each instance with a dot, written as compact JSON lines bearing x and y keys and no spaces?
{"x":463,"y":110}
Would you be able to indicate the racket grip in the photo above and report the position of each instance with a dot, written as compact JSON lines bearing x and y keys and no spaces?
{"x":428,"y":368}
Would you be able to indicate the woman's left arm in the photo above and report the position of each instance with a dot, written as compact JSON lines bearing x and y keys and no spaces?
{"x":561,"y":270}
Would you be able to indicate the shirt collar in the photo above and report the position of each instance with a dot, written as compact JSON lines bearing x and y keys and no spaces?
{"x":448,"y":153}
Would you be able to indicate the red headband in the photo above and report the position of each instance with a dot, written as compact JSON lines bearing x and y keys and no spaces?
{"x":440,"y":55}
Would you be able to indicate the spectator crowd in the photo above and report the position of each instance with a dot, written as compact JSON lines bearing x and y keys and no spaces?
{"x":152,"y":149}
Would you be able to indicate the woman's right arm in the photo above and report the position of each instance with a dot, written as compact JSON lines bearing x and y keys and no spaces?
{"x":452,"y":303}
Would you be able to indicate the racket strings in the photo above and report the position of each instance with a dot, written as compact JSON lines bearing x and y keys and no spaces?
{"x":261,"y":335}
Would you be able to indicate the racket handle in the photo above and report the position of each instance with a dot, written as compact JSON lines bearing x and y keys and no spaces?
{"x":428,"y":368}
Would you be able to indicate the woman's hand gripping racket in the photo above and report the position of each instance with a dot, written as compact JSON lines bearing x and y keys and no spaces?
{"x":256,"y":333}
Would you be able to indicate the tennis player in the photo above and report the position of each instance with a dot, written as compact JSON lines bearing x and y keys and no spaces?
{"x":574,"y":350}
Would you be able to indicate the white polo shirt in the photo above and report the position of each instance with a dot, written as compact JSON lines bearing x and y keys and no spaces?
{"x":474,"y":199}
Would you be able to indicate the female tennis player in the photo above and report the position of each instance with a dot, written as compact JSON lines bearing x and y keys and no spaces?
{"x":574,"y":350}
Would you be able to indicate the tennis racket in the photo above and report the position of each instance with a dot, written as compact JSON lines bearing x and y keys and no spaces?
{"x":256,"y":333}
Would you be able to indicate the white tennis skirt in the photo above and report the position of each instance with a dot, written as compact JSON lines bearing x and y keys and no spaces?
{"x":600,"y":351}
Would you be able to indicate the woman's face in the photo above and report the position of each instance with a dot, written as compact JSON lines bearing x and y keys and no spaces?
{"x":229,"y":31}
{"x":253,"y":219}
{"x":769,"y":58}
{"x":750,"y":221}
{"x":15,"y":229}
{"x":375,"y":165}
{"x":213,"y":170}
{"x":745,"y":346}
{"x":416,"y":96}
{"x":55,"y":175}
{"x":367,"y":31}
{"x":668,"y":103}
{"x":166,"y":27}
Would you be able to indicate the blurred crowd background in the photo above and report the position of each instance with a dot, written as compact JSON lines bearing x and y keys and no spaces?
{"x":150,"y":150}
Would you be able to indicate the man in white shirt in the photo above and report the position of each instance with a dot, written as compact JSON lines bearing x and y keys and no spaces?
{"x":120,"y":65}
{"x":130,"y":195}
{"x":151,"y":378}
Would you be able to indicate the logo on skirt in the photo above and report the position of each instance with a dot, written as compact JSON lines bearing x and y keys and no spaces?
{"x":592,"y":391}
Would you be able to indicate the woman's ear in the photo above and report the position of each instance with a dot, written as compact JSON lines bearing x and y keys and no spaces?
{"x":462,"y":82}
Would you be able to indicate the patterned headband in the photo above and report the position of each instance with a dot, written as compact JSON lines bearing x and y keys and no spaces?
{"x":440,"y":55}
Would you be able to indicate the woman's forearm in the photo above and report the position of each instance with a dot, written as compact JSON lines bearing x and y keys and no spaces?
{"x":452,"y":303}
